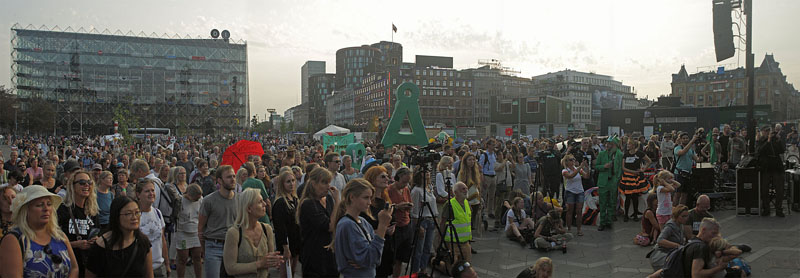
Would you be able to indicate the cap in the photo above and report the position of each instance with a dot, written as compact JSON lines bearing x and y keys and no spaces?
{"x":71,"y":165}
{"x":97,"y":167}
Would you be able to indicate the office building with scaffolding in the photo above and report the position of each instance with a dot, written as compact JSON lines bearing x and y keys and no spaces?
{"x":190,"y":85}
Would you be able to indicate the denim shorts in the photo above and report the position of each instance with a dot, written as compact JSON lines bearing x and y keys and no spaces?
{"x":574,"y":198}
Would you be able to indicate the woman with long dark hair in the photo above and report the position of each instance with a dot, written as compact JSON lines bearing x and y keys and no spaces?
{"x":316,"y":206}
{"x":123,"y":251}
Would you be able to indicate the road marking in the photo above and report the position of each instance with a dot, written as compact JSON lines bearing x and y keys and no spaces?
{"x":744,"y":232}
{"x":487,"y":272}
{"x":764,"y":251}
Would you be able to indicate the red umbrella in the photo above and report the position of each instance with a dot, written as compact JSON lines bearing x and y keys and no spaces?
{"x":236,"y":154}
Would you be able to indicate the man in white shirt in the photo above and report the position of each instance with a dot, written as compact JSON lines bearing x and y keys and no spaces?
{"x":332,"y":162}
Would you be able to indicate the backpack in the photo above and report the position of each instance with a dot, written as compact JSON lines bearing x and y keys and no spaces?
{"x":169,"y":202}
{"x":673,"y":264}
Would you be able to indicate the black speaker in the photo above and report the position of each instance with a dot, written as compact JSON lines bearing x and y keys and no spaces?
{"x":747,"y":191}
{"x":723,"y":33}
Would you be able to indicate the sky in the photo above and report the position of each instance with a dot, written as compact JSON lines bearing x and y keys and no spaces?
{"x":641,"y":43}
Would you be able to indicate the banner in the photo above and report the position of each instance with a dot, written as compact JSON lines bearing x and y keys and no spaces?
{"x":339,"y":142}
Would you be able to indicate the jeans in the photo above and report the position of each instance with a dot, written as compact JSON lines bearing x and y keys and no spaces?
{"x":212,"y":261}
{"x":422,"y":250}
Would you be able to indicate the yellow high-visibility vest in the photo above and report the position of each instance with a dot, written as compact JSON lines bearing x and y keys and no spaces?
{"x":462,"y":216}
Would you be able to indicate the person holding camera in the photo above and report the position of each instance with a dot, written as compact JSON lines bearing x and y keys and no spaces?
{"x":769,"y":150}
{"x":685,"y":156}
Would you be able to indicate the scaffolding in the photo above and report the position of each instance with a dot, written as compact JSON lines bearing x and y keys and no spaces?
{"x":197,"y":84}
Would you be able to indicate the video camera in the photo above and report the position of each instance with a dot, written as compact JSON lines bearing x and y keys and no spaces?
{"x":425,"y":155}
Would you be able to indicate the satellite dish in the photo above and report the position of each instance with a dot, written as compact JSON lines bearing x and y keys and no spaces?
{"x":214,"y":33}
{"x":226,"y":34}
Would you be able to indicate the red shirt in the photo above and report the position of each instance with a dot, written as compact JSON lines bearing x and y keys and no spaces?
{"x":402,"y":217}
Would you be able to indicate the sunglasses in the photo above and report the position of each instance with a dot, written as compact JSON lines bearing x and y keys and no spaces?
{"x":56,"y":259}
{"x":83,"y":182}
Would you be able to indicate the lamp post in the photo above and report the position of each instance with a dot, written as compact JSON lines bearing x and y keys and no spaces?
{"x":145,"y":108}
{"x":519,"y":117}
{"x":16,"y":124}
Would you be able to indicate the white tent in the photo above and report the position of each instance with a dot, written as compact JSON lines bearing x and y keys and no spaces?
{"x":331,"y":130}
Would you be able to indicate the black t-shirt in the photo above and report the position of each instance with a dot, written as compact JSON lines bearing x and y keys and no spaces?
{"x":77,"y":226}
{"x":633,"y":161}
{"x":723,"y":142}
{"x":695,"y":218}
{"x":112,"y":263}
{"x":693,"y":251}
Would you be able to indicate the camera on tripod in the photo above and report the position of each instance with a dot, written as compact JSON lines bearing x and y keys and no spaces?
{"x":425,"y":156}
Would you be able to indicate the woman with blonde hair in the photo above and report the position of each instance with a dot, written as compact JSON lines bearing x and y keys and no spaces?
{"x":357,"y":246}
{"x":287,"y":230}
{"x":573,"y":191}
{"x":241,"y":177}
{"x":35,"y":246}
{"x":177,"y":178}
{"x":78,"y":215}
{"x":249,"y":244}
{"x":470,"y":174}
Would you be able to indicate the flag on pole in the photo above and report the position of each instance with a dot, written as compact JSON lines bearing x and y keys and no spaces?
{"x":394,"y":28}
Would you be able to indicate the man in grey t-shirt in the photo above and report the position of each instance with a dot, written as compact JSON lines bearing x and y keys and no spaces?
{"x":217,"y":214}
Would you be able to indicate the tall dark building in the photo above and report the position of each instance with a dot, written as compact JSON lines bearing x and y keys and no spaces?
{"x":320,"y":88}
{"x":355,"y":63}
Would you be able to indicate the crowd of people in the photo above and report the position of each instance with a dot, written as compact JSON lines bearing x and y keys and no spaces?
{"x":85,"y":207}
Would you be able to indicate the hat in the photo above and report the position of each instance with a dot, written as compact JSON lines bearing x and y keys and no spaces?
{"x":119,"y":164}
{"x":31,"y":193}
{"x":71,"y":164}
{"x":613,"y":139}
{"x":97,"y":167}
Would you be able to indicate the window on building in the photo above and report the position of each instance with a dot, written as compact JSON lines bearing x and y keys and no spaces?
{"x":505,"y":107}
{"x":437,"y":82}
{"x":424,"y":72}
{"x":424,"y":92}
{"x":532,"y":106}
{"x":437,"y":73}
{"x":424,"y":82}
{"x":417,"y":82}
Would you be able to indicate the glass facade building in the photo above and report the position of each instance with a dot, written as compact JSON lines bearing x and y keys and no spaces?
{"x":193,"y":84}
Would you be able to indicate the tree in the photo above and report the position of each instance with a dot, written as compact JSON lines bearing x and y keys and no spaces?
{"x":7,"y":101}
{"x":39,"y":116}
{"x":126,"y":120}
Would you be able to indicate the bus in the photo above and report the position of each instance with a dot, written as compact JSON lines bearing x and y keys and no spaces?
{"x":153,"y":132}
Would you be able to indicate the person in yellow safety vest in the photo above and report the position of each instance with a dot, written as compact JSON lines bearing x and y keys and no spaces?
{"x":459,"y":211}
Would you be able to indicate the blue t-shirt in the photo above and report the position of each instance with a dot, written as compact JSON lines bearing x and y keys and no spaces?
{"x":104,"y":206}
{"x":684,"y":162}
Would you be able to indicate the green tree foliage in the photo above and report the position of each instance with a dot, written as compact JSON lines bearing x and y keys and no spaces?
{"x":39,"y":116}
{"x":7,"y":101}
{"x":126,"y":120}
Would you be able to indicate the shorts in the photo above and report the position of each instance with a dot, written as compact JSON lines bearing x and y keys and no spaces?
{"x":574,"y":198}
{"x":662,"y":219}
{"x":184,"y":240}
{"x":402,"y":238}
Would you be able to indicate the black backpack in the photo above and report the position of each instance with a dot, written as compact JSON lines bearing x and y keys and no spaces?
{"x":673,"y":265}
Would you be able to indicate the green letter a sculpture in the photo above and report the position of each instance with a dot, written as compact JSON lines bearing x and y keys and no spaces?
{"x":407,"y":105}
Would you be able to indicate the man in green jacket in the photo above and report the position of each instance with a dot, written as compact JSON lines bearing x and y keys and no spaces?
{"x":609,"y":168}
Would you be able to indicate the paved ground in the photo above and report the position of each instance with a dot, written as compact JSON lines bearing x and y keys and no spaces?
{"x":775,"y":242}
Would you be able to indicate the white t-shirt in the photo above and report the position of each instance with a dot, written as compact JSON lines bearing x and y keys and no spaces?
{"x":152,"y":226}
{"x":664,"y":202}
{"x":510,"y":214}
{"x":574,"y":185}
{"x":338,"y":182}
{"x":188,"y":218}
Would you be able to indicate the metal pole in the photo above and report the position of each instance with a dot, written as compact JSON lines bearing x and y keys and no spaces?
{"x":519,"y":119}
{"x":751,"y":80}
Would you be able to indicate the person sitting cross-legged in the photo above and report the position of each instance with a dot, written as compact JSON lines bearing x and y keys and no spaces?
{"x":517,"y":221}
{"x":550,"y":233}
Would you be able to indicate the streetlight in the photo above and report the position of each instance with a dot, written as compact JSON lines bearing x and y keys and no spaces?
{"x":519,"y":117}
{"x":16,"y":124}
{"x":145,"y":108}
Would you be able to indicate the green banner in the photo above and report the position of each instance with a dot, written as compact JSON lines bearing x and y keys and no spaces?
{"x":339,"y":142}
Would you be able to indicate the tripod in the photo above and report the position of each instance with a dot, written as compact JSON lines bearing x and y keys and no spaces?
{"x":424,"y":169}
